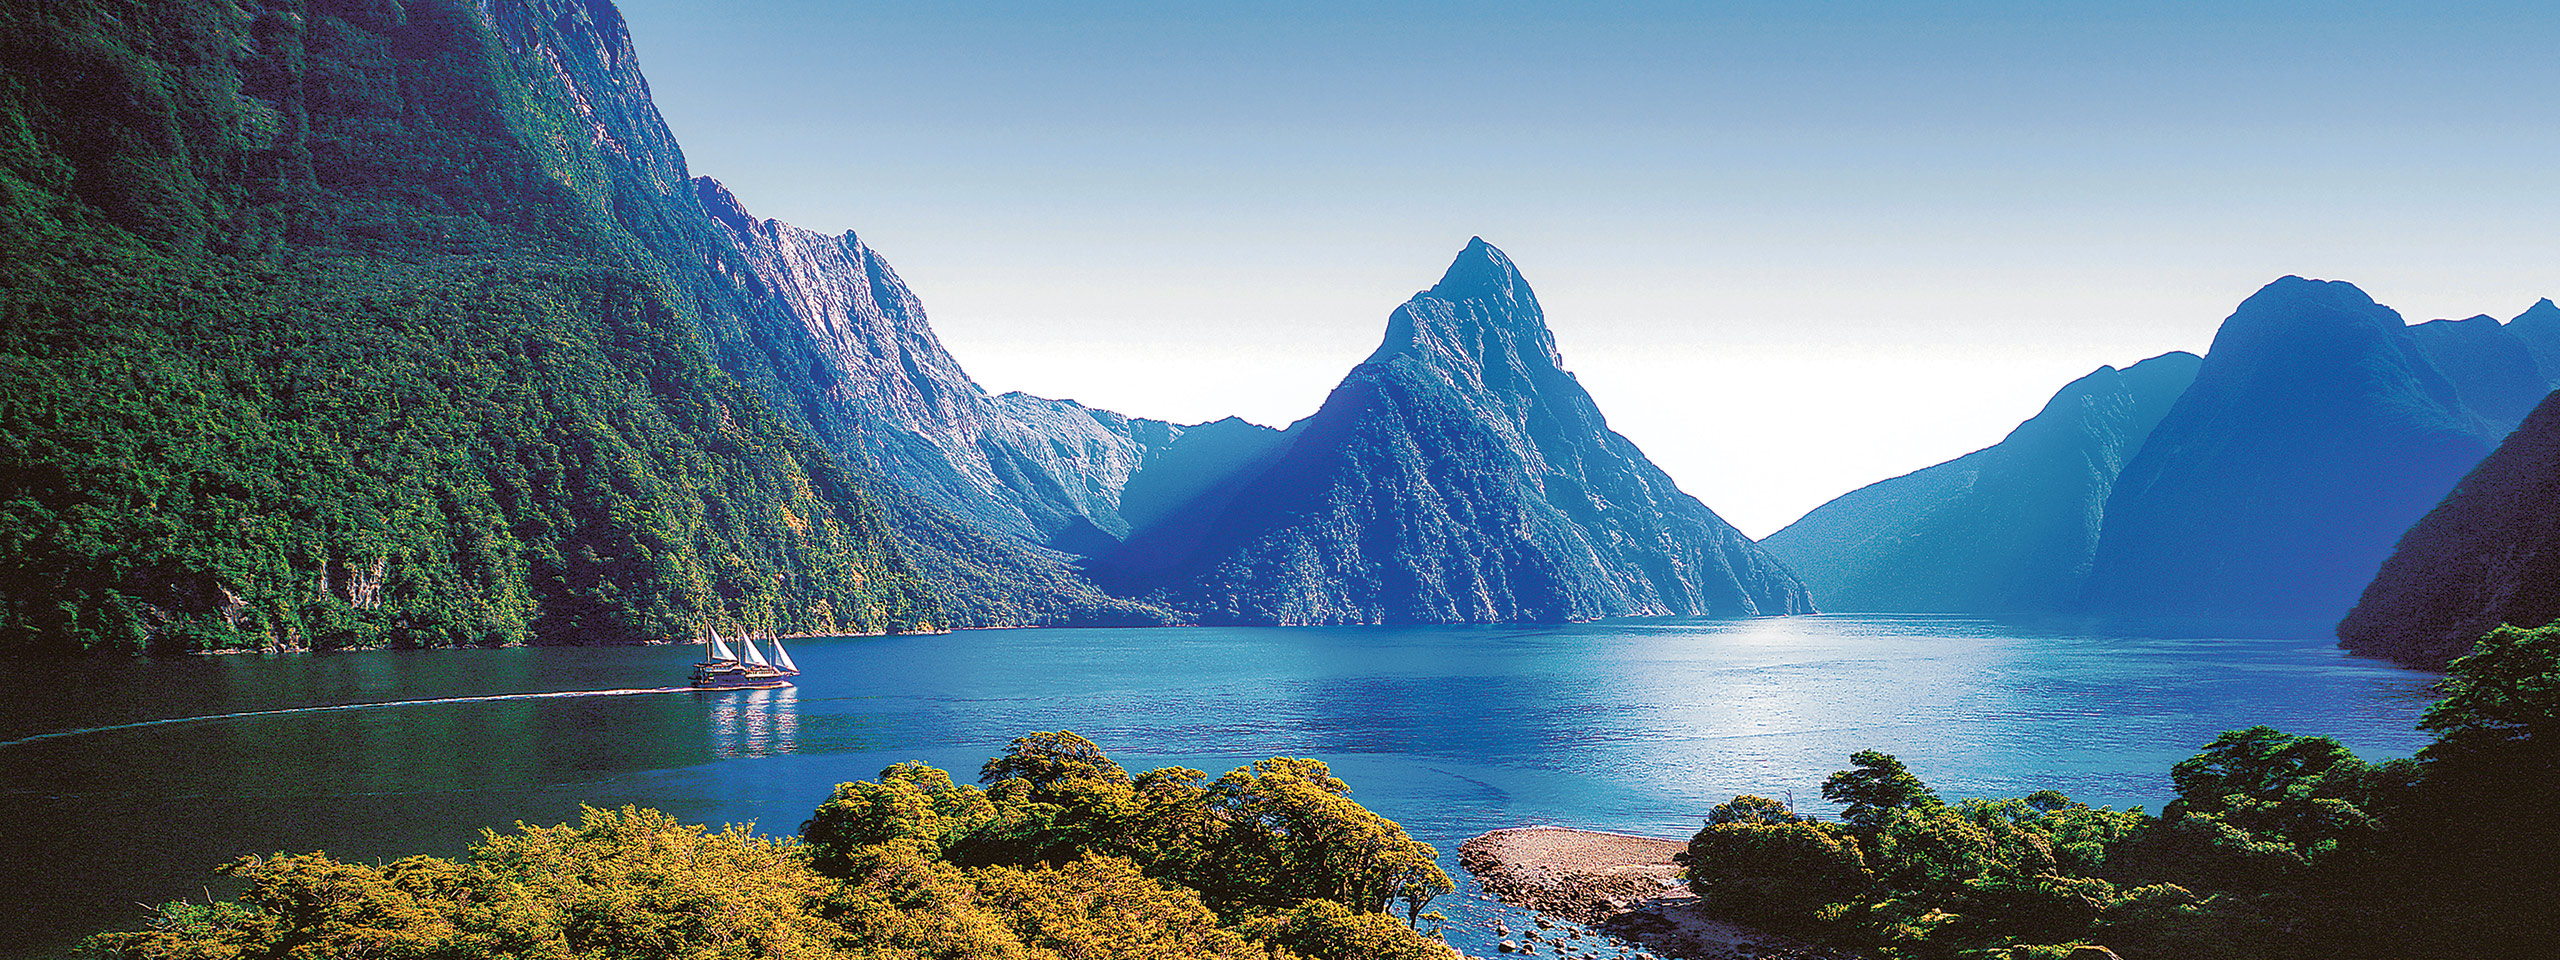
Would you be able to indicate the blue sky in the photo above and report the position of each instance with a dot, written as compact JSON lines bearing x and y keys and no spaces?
{"x":1791,"y":247}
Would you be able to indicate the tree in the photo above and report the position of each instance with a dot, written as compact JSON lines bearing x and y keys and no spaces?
{"x":2502,"y":698}
{"x":1751,"y":809}
{"x":1292,"y":833}
{"x":1875,"y":789}
{"x":1046,"y":760}
{"x":910,"y":801}
{"x":1785,"y":870}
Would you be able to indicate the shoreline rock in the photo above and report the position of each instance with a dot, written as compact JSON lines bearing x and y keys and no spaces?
{"x":1622,"y":888}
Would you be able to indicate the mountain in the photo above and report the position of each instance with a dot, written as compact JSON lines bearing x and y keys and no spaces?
{"x":839,"y":349}
{"x":2492,"y":370}
{"x":2539,"y":328}
{"x":1459,"y":474}
{"x":884,"y":391}
{"x":2006,"y":529}
{"x":2315,"y":432}
{"x":365,"y":324}
{"x":2489,"y":554}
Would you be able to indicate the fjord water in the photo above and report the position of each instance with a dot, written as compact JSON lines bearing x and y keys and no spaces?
{"x":1631,"y":725}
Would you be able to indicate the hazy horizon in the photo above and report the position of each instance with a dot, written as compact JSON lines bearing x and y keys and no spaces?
{"x":1790,"y":250}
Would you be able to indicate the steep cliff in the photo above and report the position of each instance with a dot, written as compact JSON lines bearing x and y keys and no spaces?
{"x":2009,"y":528}
{"x":2488,"y":555}
{"x":1457,"y":475}
{"x":839,"y":349}
{"x":2314,"y":433}
{"x":884,"y":390}
{"x":339,"y":324}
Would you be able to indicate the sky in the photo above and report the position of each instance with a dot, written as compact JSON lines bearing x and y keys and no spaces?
{"x":1790,"y":248}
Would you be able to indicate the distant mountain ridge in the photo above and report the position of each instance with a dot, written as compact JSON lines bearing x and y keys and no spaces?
{"x":2491,"y":367}
{"x":2315,"y":432}
{"x":2264,"y":482}
{"x":2008,"y":529}
{"x":1459,"y":474}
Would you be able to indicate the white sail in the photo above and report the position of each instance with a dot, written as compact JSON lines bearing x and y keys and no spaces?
{"x":719,"y":650}
{"x":753,"y":656}
{"x":782,"y":657}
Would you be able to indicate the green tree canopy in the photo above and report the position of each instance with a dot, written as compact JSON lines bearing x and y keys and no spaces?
{"x":1874,"y":789}
{"x":2504,"y":697}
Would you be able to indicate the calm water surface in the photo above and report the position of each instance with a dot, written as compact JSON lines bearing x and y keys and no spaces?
{"x":1636,"y":726}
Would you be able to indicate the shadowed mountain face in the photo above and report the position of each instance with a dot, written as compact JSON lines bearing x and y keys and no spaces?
{"x":2010,"y":528}
{"x":881,"y":389}
{"x":1457,"y":475}
{"x":2315,"y":432}
{"x":2492,"y":370}
{"x":2489,"y":554}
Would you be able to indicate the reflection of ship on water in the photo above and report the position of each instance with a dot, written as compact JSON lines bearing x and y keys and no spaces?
{"x":756,"y":723}
{"x":745,"y":670}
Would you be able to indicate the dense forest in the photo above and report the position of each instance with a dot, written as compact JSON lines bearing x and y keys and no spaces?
{"x":321,"y":330}
{"x":2278,"y":846}
{"x":1062,"y":854}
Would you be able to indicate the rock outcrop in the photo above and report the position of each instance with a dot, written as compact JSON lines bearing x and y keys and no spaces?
{"x":2488,"y":555}
{"x":2007,"y":529}
{"x":2314,"y":433}
{"x":884,"y":391}
{"x":1459,"y":474}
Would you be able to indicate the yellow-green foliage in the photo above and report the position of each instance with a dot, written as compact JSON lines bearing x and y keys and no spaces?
{"x":1264,"y":838}
{"x":878,"y":883}
{"x":621,"y":883}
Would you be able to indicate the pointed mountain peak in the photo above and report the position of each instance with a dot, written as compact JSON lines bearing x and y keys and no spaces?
{"x":724,"y":206}
{"x":1483,"y":272}
{"x":1480,"y":307}
{"x":2542,"y":312}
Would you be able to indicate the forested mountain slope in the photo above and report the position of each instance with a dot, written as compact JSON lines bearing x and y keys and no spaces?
{"x":2488,"y":555}
{"x":335,"y":324}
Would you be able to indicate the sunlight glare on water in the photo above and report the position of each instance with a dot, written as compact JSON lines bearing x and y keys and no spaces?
{"x":1632,"y":725}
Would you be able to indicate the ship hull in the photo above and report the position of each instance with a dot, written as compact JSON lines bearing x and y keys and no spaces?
{"x":731,"y":676}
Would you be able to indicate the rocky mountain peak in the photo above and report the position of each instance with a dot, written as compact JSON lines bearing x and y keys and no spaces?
{"x":1481,"y":313}
{"x":1483,"y":272}
{"x":724,"y":206}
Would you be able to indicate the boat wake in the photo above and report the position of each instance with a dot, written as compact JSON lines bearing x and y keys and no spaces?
{"x":326,"y":708}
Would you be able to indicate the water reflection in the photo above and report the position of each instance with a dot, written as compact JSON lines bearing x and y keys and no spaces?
{"x":755,"y":723}
{"x":1624,"y":725}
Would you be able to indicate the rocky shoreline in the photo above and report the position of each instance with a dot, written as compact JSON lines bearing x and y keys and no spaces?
{"x":1610,"y":895}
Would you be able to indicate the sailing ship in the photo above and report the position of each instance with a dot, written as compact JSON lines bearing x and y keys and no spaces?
{"x":748,"y":669}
